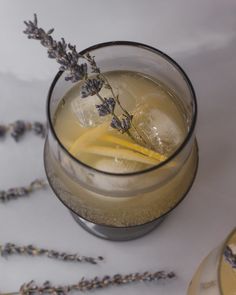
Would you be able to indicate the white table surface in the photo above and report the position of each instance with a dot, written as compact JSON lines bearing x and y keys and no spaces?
{"x":201,"y":36}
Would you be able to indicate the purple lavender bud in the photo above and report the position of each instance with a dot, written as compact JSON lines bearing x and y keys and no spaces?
{"x":107,"y":107}
{"x":3,"y":130}
{"x":91,"y":87}
{"x":39,"y":129}
{"x":18,"y":129}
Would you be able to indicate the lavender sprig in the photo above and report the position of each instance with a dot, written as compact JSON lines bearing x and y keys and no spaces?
{"x":65,"y":54}
{"x":70,"y":61}
{"x":93,"y":64}
{"x":229,"y":256}
{"x":24,"y":191}
{"x":30,"y":250}
{"x":84,"y":285}
{"x":18,"y":128}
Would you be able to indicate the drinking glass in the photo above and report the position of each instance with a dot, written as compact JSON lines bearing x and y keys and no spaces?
{"x":123,"y":206}
{"x":216,"y":275}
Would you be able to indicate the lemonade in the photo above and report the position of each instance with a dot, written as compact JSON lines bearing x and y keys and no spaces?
{"x":132,"y":193}
{"x":157,"y":117}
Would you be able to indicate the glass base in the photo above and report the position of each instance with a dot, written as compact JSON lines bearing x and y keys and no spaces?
{"x":117,"y":233}
{"x":111,"y":232}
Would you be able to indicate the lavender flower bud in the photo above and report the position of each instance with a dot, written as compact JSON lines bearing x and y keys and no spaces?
{"x":91,"y":87}
{"x":39,"y":129}
{"x":115,"y":123}
{"x":3,"y":130}
{"x":18,"y":129}
{"x":230,"y":257}
{"x":122,"y":125}
{"x":107,"y":107}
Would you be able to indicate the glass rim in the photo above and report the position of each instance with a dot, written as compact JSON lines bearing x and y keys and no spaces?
{"x":148,"y":48}
{"x":221,"y":259}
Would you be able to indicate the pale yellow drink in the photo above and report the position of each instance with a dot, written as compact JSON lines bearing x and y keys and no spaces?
{"x":142,"y":97}
{"x":161,"y":120}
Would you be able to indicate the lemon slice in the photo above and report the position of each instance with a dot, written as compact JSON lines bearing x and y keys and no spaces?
{"x":133,"y":146}
{"x":87,"y":138}
{"x":133,"y":152}
{"x":119,"y":153}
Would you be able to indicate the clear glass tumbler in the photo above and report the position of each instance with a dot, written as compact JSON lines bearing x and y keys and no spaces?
{"x":123,"y":206}
{"x":216,"y":275}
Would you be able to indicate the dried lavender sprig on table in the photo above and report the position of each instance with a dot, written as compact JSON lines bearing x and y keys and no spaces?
{"x":18,"y":128}
{"x":76,"y":65}
{"x":24,"y":191}
{"x":30,"y":250}
{"x":84,"y":285}
{"x":229,"y":256}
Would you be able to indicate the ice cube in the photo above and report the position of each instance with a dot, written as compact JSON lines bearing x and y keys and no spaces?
{"x":123,"y":186}
{"x":86,"y":111}
{"x":159,"y":130}
{"x":118,"y":165}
